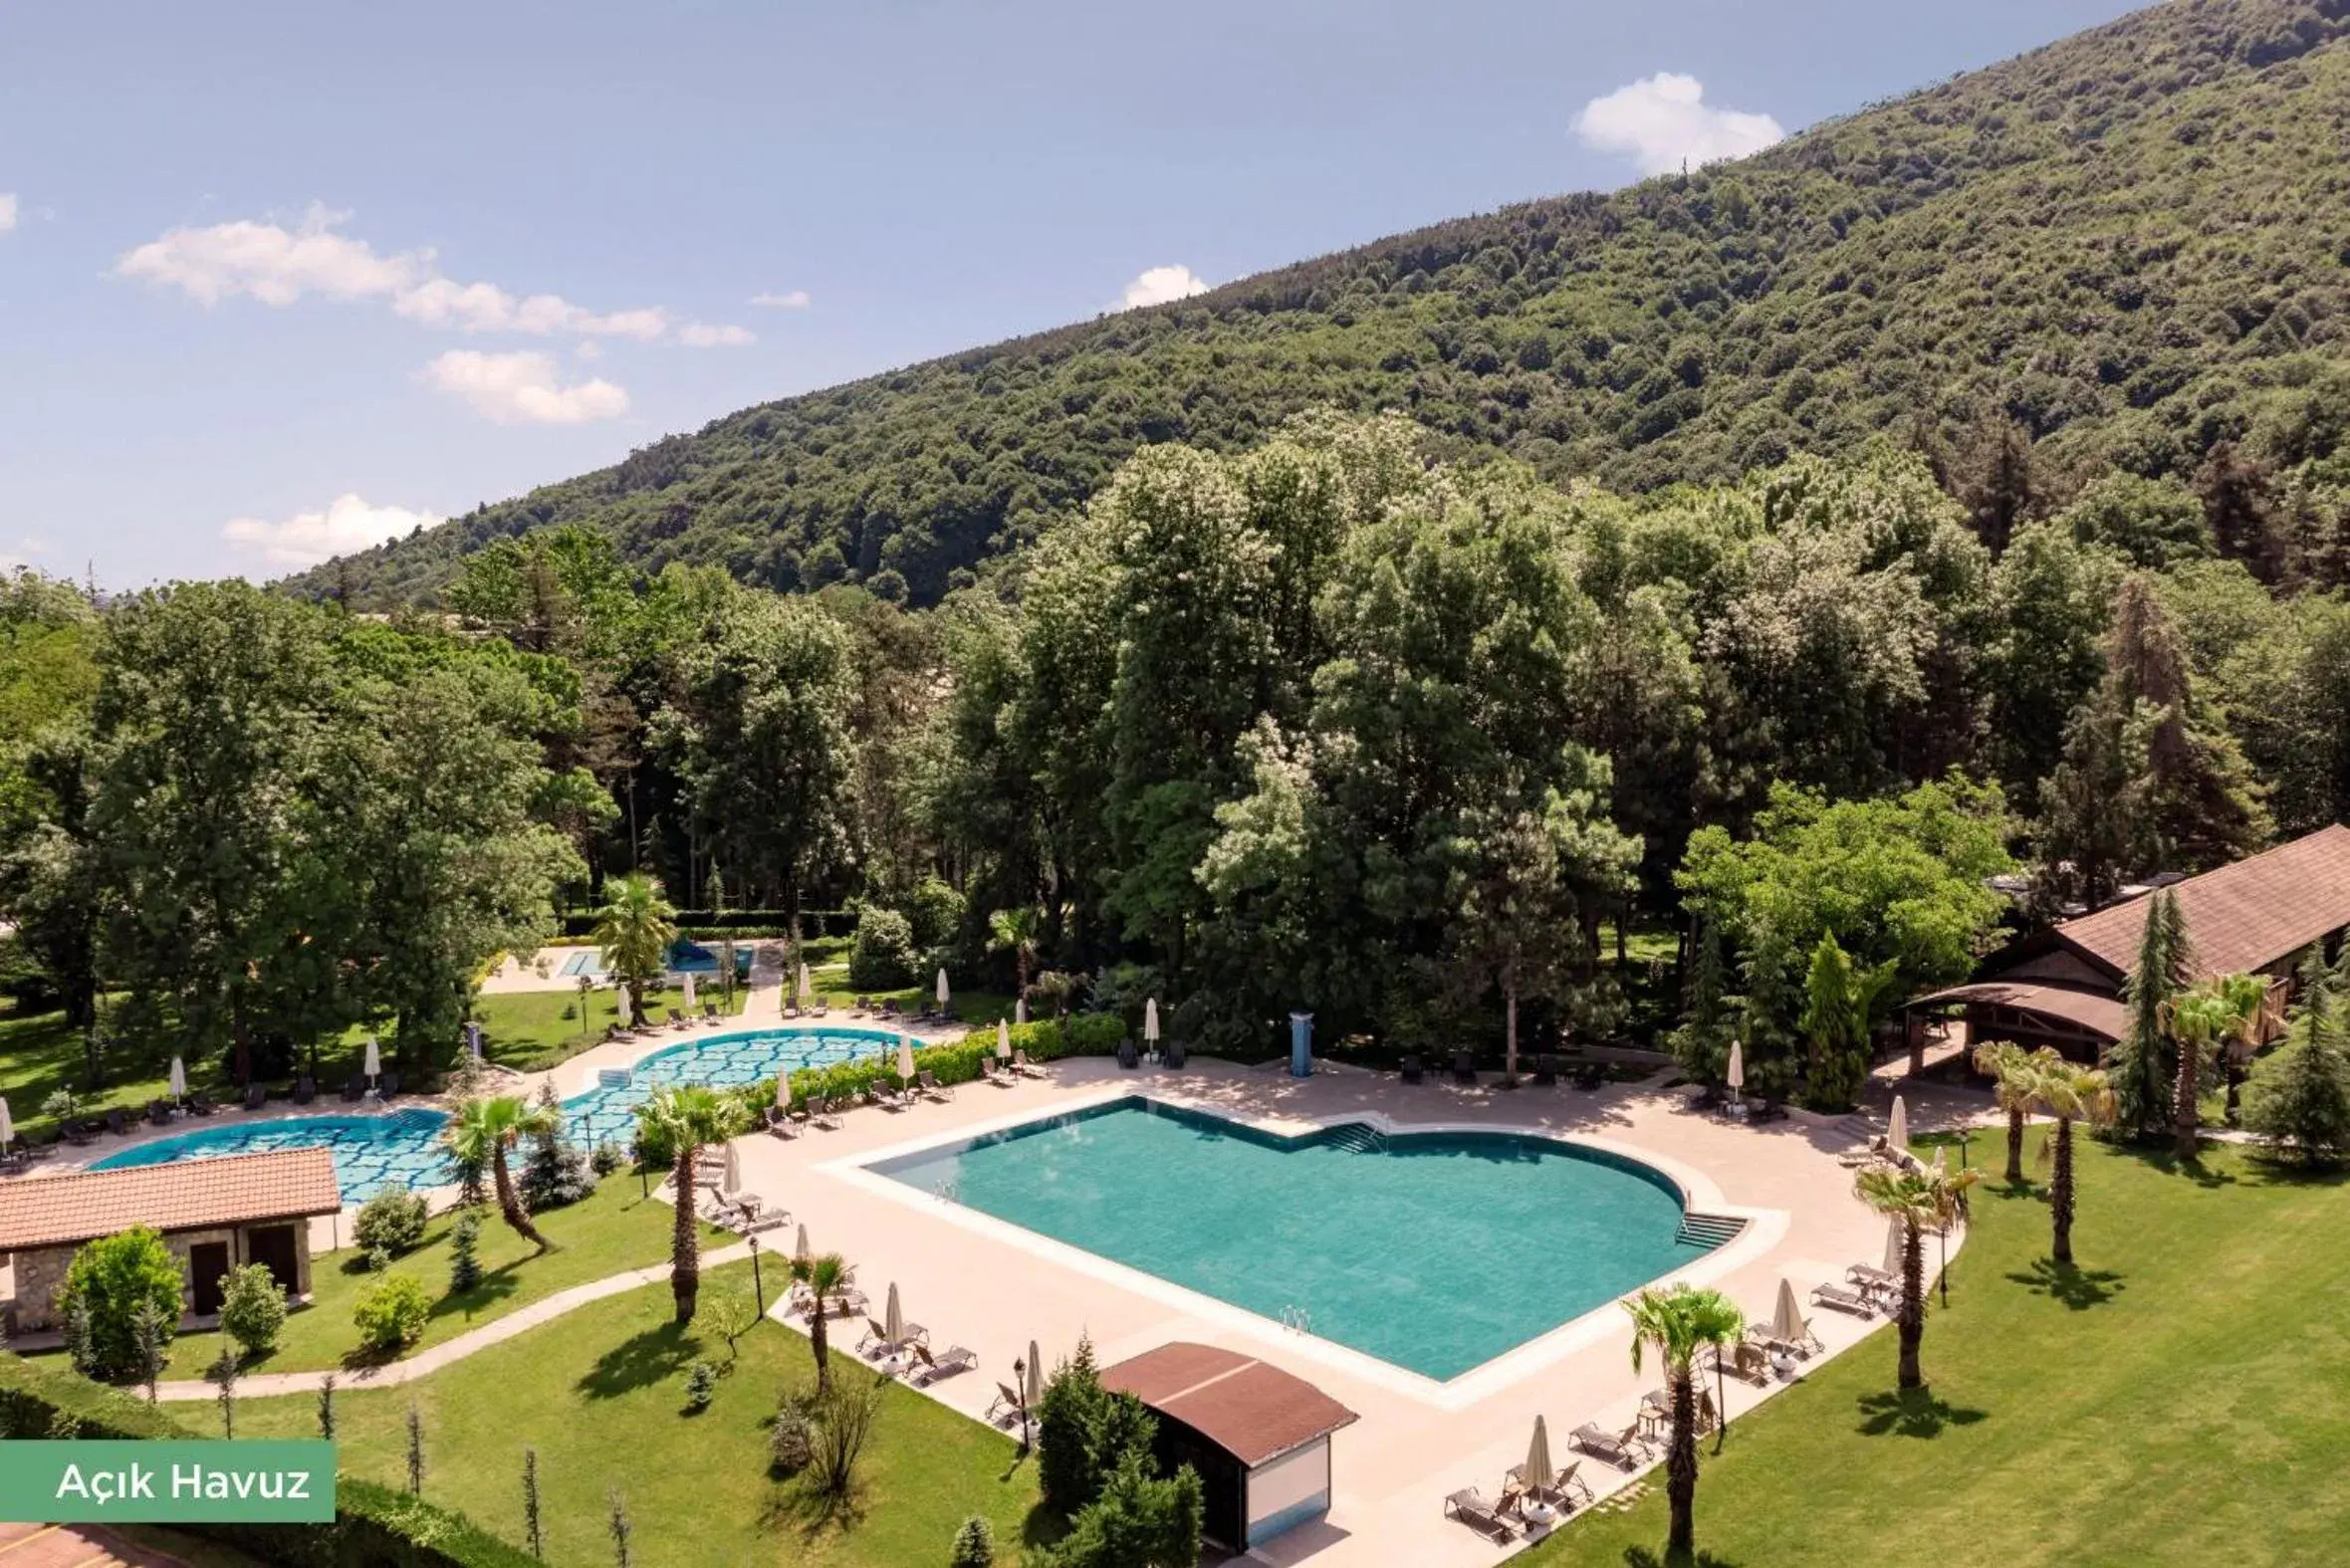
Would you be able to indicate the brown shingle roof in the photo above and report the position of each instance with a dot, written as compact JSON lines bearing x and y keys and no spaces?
{"x":2102,"y":1015}
{"x":1252,"y":1411}
{"x":2244,"y":916}
{"x":185,"y":1195}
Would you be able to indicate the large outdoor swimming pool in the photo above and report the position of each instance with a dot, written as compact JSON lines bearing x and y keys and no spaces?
{"x":402,"y":1148}
{"x":1436,"y":1251}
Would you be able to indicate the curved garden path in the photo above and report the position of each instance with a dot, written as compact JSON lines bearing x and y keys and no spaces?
{"x":391,"y":1374}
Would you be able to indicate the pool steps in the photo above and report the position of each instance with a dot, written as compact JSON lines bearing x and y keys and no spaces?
{"x":1708,"y":1231}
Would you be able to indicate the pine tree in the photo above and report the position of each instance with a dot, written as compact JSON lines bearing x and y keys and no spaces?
{"x":530,"y":1504}
{"x":2149,"y":781}
{"x":465,"y":1251}
{"x":415,"y":1450}
{"x":2300,"y":1096}
{"x":327,"y":1408}
{"x":1701,"y":1046}
{"x":2142,"y":1062}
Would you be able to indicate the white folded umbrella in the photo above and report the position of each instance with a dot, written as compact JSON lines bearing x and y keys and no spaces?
{"x":807,"y":988}
{"x":689,"y":993}
{"x":1736,"y":1077}
{"x":1032,"y":1391}
{"x":905,"y":1059}
{"x":1897,"y":1127}
{"x":1003,"y":1041}
{"x":1537,"y":1457}
{"x":893,"y":1320}
{"x":1894,"y":1239}
{"x":731,"y":1182}
{"x":942,"y":988}
{"x":178,"y":1078}
{"x":374,"y":1063}
{"x":1020,"y":1011}
{"x":7,"y":1124}
{"x":1150,"y":1020}
{"x":1786,"y":1320}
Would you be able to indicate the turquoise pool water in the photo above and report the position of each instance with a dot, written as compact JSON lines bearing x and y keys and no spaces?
{"x":401,"y":1148}
{"x":1436,"y":1251}
{"x":685,"y":958}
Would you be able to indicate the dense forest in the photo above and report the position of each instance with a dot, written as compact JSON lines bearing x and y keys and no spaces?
{"x":2125,"y":252}
{"x":2013,"y":559}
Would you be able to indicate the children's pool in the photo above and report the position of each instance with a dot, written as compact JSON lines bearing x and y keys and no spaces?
{"x":685,"y":958}
{"x":401,"y":1148}
{"x":1436,"y":1251}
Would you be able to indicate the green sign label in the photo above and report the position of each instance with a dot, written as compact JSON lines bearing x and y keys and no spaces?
{"x":165,"y":1482}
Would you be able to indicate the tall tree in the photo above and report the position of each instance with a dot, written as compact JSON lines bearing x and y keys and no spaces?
{"x":2148,"y":780}
{"x":1839,"y":1003}
{"x":633,"y":932}
{"x":483,"y":1132}
{"x":2299,"y":1095}
{"x":827,"y":1276}
{"x":2211,"y":1024}
{"x":207,"y":736}
{"x":684,"y":1119}
{"x":2144,"y":1062}
{"x":2013,"y":1071}
{"x":2070,"y":1093}
{"x":1677,"y":1322}
{"x":1917,"y":1199}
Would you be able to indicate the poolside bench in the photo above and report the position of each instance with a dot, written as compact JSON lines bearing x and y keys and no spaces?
{"x":1470,"y":1507}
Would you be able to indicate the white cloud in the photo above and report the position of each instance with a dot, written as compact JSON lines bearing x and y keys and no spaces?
{"x":1158,"y":285}
{"x":277,"y":266}
{"x":1663,"y":120}
{"x":795,"y":300}
{"x":7,"y":210}
{"x":701,"y":334}
{"x":307,"y":538}
{"x":521,"y":388}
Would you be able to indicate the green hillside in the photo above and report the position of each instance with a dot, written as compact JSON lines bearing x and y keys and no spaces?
{"x":2135,"y":243}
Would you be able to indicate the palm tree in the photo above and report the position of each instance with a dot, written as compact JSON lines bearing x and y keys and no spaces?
{"x":1921,"y":1201}
{"x":686,"y":1117}
{"x":1014,"y":931}
{"x":2070,"y":1093}
{"x":480,"y":1134}
{"x":2219,"y":1015}
{"x":1059,"y":988}
{"x":1678,"y":1321}
{"x":2012,"y":1069}
{"x":633,"y":932}
{"x":826,"y":1275}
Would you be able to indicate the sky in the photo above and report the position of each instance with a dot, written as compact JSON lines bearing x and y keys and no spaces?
{"x":281,"y":280}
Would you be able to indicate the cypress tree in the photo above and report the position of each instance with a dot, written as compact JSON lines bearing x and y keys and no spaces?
{"x":2144,"y":1062}
{"x":2299,"y":1097}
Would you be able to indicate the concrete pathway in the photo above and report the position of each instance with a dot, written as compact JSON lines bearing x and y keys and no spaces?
{"x":430,"y":1360}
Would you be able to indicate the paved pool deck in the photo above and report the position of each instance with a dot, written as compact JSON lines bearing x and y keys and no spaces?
{"x":979,"y":1283}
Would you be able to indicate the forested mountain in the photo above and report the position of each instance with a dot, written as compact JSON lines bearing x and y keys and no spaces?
{"x":2131,"y":246}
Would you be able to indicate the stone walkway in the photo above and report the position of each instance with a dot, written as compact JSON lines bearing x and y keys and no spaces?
{"x":75,"y":1546}
{"x":428,"y":1361}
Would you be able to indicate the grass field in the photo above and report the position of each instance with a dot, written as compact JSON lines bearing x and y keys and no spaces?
{"x":2173,"y":1399}
{"x":531,"y":1030}
{"x":599,"y":1393}
{"x":611,"y":1230}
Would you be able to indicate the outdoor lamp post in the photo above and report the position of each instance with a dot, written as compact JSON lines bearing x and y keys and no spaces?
{"x":758,"y":1286}
{"x":1020,"y":1382}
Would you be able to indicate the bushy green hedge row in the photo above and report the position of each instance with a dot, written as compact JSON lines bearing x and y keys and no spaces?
{"x":957,"y":1061}
{"x":375,"y":1526}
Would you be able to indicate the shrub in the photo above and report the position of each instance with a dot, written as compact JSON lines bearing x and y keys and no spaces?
{"x":104,"y":1286}
{"x":2299,"y":1094}
{"x":465,"y":1251}
{"x":935,"y":912}
{"x":392,"y":1313}
{"x":608,"y":1158}
{"x":392,"y":1221}
{"x":884,"y":956}
{"x":975,"y":1545}
{"x":253,"y":1308}
{"x":958,"y":1062}
{"x":701,"y":1387}
{"x":843,"y":1421}
{"x":791,"y":1442}
{"x":1138,"y":1518}
{"x":556,"y":1174}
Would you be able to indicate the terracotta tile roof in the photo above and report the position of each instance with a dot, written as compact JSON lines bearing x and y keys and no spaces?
{"x":185,"y":1195}
{"x":2244,"y":916}
{"x":2099,"y":1015}
{"x":1252,"y":1411}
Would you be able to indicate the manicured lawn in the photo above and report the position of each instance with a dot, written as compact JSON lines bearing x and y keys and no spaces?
{"x":613,"y":1230}
{"x":2175,"y":1398}
{"x":975,"y":1008}
{"x":39,"y":1056}
{"x":598,"y":1394}
{"x":531,"y":1030}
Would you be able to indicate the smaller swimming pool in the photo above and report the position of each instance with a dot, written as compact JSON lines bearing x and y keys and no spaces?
{"x":402,"y":1148}
{"x":685,"y":958}
{"x":1436,"y":1251}
{"x":399,"y":1148}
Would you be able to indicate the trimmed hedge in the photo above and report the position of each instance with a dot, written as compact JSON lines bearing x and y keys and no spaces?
{"x":375,"y":1526}
{"x":1088,"y":1035}
{"x":737,"y":922}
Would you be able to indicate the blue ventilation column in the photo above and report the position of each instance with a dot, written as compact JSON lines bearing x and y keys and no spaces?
{"x":1301,"y":1045}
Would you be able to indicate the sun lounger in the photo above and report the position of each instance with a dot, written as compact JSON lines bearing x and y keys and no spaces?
{"x":877,"y":1339}
{"x":1743,"y":1360}
{"x":780,"y":1124}
{"x":1024,"y":1067}
{"x":1621,"y":1450}
{"x":255,"y":1096}
{"x":928,"y":1369}
{"x":388,"y":1086}
{"x":1173,"y":1054}
{"x":1127,"y":1056}
{"x":1470,"y":1507}
{"x":861,"y":1006}
{"x":1842,"y":1300}
{"x":1004,"y":1408}
{"x":1874,"y":1282}
{"x":988,"y":1073}
{"x":928,"y":1082}
{"x":824,"y":1114}
{"x":1414,"y":1069}
{"x":1464,"y":1067}
{"x":306,"y":1089}
{"x":200,"y":1104}
{"x":884,"y":1096}
{"x":1559,"y":1491}
{"x":1545,"y":1070}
